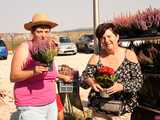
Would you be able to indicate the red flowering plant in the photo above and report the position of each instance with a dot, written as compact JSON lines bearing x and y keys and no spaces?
{"x":44,"y":51}
{"x":105,"y":76}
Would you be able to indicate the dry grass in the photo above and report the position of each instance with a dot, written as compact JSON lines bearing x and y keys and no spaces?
{"x":12,"y":41}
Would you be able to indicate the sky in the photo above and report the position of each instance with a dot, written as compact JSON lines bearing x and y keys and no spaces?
{"x":69,"y":14}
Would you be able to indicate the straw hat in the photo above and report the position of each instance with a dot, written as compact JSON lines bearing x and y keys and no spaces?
{"x":39,"y":19}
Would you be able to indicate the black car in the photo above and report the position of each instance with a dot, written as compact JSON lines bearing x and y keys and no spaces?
{"x":86,"y":43}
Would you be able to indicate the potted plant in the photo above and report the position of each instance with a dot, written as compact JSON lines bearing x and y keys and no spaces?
{"x":147,"y":22}
{"x":143,"y":23}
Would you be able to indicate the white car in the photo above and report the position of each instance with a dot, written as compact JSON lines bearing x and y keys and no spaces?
{"x":66,"y":46}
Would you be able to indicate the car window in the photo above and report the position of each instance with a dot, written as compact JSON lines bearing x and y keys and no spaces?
{"x":92,"y":36}
{"x":64,"y":40}
{"x":87,"y":38}
{"x":2,"y":43}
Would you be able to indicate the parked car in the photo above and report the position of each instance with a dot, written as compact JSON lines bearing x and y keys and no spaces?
{"x":86,"y":43}
{"x":3,"y":50}
{"x":66,"y":46}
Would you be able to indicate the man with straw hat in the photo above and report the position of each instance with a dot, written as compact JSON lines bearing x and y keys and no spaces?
{"x":34,"y":89}
{"x":39,"y":19}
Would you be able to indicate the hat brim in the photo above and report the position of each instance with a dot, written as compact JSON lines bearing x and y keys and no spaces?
{"x":28,"y":26}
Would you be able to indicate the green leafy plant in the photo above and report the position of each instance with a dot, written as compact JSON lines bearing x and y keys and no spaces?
{"x":44,"y":50}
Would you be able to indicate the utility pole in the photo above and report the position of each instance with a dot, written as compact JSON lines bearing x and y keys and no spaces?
{"x":96,"y":22}
{"x":13,"y":42}
{"x":95,"y":14}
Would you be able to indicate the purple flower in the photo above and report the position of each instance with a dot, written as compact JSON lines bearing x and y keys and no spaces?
{"x":43,"y":50}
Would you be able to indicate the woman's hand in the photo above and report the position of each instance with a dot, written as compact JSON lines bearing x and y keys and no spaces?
{"x":96,"y":87}
{"x":115,"y":88}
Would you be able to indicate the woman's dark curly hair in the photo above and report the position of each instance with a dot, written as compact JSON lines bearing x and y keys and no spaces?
{"x":103,"y":27}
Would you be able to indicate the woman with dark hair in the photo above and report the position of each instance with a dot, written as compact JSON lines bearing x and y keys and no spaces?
{"x":127,"y":69}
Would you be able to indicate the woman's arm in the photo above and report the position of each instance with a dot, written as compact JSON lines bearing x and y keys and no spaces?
{"x":17,"y":73}
{"x":87,"y":77}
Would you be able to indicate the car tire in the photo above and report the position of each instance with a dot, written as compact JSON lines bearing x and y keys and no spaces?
{"x":88,"y":51}
{"x":78,"y":49}
{"x":74,"y":53}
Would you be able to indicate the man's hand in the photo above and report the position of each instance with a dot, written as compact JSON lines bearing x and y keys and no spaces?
{"x":40,"y":69}
{"x":66,"y":78}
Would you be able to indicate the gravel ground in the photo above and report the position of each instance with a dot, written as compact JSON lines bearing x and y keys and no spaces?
{"x":7,"y":107}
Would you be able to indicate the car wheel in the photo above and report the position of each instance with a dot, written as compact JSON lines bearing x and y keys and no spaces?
{"x":74,"y":53}
{"x":78,"y":49}
{"x":88,"y":51}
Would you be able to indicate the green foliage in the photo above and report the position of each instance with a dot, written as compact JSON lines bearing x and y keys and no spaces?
{"x":43,"y":50}
{"x":105,"y":81}
{"x":45,"y":57}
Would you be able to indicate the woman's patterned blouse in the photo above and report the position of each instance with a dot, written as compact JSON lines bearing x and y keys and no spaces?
{"x":129,"y":74}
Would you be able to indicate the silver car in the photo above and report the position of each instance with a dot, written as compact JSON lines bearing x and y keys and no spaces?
{"x":66,"y":46}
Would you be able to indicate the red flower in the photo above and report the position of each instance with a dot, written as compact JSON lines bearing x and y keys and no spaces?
{"x":105,"y":70}
{"x":105,"y":76}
